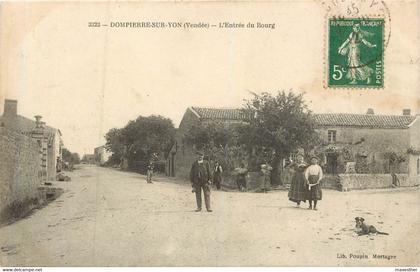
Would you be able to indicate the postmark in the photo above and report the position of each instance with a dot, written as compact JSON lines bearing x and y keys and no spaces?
{"x":356,"y":52}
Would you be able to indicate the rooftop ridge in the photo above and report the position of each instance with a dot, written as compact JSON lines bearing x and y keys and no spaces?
{"x":365,"y":114}
{"x":321,"y":119}
{"x":322,"y":113}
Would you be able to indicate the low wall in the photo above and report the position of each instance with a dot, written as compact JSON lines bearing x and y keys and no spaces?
{"x":405,"y":180}
{"x":341,"y":182}
{"x":372,"y":181}
{"x":19,"y":173}
{"x":254,"y":181}
{"x":364,"y":181}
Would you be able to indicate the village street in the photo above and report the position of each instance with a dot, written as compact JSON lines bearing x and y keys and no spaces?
{"x":106,"y":217}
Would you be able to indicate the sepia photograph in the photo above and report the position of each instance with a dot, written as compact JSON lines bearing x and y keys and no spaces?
{"x":139,"y":134}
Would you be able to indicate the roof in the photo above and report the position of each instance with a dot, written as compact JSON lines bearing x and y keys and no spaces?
{"x":227,"y":114}
{"x":363,"y":120}
{"x":23,"y":124}
{"x":321,"y":119}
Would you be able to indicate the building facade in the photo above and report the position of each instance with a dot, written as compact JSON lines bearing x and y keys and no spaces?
{"x":350,"y":143}
{"x":182,"y":154}
{"x":370,"y":144}
{"x":48,"y":138}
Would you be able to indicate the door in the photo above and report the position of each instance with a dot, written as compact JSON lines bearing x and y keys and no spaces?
{"x":332,"y":163}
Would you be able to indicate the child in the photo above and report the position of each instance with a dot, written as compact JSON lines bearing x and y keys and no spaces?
{"x":313,"y":176}
{"x":150,"y":168}
{"x":217,"y":175}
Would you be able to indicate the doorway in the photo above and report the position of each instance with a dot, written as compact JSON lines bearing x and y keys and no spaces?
{"x":332,"y":163}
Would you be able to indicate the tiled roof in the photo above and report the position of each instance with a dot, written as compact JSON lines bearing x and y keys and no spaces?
{"x":322,"y":119}
{"x":363,"y":120}
{"x":220,"y":114}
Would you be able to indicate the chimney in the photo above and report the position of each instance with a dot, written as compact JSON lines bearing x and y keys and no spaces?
{"x":38,"y":121}
{"x":370,"y":111}
{"x":406,"y":112}
{"x":10,"y":107}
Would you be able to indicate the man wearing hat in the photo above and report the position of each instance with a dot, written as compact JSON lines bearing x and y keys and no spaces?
{"x":313,"y":175}
{"x":200,"y":177}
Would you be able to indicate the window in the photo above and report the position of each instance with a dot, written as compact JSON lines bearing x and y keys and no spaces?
{"x":332,"y":136}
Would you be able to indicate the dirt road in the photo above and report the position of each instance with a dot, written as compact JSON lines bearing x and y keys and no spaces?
{"x":111,"y":218}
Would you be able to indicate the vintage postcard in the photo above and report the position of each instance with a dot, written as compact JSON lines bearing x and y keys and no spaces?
{"x":210,"y":134}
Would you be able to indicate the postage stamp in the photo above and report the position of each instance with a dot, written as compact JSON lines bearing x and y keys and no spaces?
{"x":356,"y":52}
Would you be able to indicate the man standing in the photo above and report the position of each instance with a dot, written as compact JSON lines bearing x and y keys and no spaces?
{"x":200,"y":177}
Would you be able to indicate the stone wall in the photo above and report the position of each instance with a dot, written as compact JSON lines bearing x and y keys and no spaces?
{"x":365,"y":181}
{"x":371,"y":181}
{"x":19,"y":172}
{"x":405,"y":180}
{"x":414,"y":159}
{"x":183,"y":154}
{"x":52,"y":154}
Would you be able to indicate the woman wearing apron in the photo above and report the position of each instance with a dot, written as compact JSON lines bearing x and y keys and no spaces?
{"x":314,"y":175}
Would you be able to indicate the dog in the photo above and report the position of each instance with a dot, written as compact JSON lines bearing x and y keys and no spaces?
{"x":364,"y":229}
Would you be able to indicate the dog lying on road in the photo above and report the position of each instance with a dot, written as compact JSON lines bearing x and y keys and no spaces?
{"x":364,"y":229}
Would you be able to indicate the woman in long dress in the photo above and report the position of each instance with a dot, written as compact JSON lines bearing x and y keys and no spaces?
{"x":351,"y":46}
{"x":266,"y":183}
{"x":298,"y":190}
{"x":217,"y":175}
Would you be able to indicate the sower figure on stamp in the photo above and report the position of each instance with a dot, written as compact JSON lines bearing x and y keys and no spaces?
{"x":356,"y":69}
{"x":200,"y":177}
{"x":314,"y":175}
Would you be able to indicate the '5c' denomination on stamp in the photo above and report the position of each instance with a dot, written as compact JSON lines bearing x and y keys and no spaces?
{"x":355,"y":52}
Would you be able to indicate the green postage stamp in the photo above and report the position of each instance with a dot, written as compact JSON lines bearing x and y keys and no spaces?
{"x":355,"y":53}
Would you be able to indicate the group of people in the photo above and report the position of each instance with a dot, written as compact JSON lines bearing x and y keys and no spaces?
{"x":305,"y":184}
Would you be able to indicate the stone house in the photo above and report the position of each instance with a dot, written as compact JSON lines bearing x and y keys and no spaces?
{"x":48,"y":138}
{"x":182,"y":155}
{"x":350,"y":143}
{"x":371,"y":144}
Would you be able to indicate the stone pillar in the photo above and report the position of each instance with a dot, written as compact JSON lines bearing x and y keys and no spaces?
{"x":41,"y":136}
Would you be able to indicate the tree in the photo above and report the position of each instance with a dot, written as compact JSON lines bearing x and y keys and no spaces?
{"x":75,"y":158}
{"x":140,"y":139}
{"x":278,"y":125}
{"x":209,"y":134}
{"x":71,"y":158}
{"x":115,"y":143}
{"x":218,"y":140}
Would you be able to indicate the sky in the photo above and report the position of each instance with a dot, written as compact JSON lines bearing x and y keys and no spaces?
{"x":85,"y":80}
